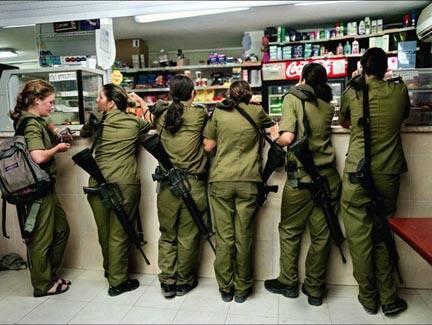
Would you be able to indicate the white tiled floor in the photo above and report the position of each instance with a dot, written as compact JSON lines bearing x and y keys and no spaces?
{"x":87,"y":302}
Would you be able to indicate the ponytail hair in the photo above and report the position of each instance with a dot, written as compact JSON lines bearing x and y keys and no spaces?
{"x":240,"y":92}
{"x":33,"y":89}
{"x":118,"y":95}
{"x":315,"y":75}
{"x":181,"y":88}
{"x":374,"y":62}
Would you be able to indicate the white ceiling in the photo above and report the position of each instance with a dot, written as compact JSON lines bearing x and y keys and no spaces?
{"x":214,"y":31}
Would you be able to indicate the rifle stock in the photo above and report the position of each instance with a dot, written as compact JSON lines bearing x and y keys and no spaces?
{"x":179,"y":184}
{"x":319,"y":190}
{"x":110,"y":195}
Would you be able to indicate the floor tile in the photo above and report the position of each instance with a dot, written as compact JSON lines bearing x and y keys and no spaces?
{"x":196,"y":317}
{"x":418,"y":312}
{"x":92,"y":275}
{"x":251,"y":319}
{"x":426,"y":295}
{"x":148,"y":315}
{"x":128,"y":298}
{"x":258,"y":304}
{"x":53,"y":312}
{"x":97,"y":313}
{"x":299,"y":309}
{"x":204,"y":301}
{"x":338,"y":291}
{"x":349,"y":311}
{"x":152,"y":297}
{"x":12,"y":309}
{"x":144,"y":279}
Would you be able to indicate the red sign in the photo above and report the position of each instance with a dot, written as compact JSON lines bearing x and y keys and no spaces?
{"x":335,"y":67}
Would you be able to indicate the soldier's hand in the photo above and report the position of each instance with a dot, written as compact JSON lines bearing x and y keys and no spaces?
{"x":62,"y":147}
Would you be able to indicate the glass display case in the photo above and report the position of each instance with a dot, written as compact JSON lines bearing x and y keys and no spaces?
{"x":76,"y":92}
{"x":419,"y":84}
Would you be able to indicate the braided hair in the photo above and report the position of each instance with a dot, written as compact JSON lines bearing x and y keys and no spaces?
{"x":33,"y":89}
{"x":240,"y":92}
{"x":181,"y":88}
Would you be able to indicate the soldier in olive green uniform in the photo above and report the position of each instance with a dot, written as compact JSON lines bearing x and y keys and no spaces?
{"x":51,"y":230}
{"x":234,"y":174}
{"x":115,"y":154}
{"x":389,"y":106}
{"x":180,"y":127}
{"x":312,"y":98}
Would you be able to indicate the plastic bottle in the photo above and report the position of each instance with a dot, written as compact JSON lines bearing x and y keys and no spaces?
{"x":347,"y":48}
{"x":355,"y":47}
{"x":367,"y":23}
{"x":361,"y":28}
{"x":337,"y":30}
{"x":339,"y":49}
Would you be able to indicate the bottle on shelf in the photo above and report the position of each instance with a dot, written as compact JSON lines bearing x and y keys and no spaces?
{"x":355,"y":47}
{"x":347,"y":48}
{"x":339,"y":49}
{"x":367,"y":23}
{"x":361,"y":28}
{"x":337,"y":30}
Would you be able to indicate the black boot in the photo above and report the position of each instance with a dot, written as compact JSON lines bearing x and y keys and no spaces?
{"x":370,"y":311}
{"x":274,"y":286}
{"x":128,"y":285}
{"x":183,"y":289}
{"x":314,"y":301}
{"x":394,"y":308}
{"x":168,"y":290}
{"x":227,"y":296}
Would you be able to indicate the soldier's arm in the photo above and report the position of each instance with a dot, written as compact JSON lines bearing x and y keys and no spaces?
{"x":344,"y":112}
{"x":288,"y":123}
{"x":209,"y":134}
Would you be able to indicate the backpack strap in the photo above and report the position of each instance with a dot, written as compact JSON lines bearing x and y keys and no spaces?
{"x":32,"y":214}
{"x":4,"y":218}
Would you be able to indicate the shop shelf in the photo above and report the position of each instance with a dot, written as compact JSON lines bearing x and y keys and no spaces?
{"x":340,"y":38}
{"x":149,"y":90}
{"x":329,"y":57}
{"x":191,"y":67}
{"x":67,"y":34}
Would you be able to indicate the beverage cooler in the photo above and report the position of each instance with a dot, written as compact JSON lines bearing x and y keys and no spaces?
{"x":278,"y":77}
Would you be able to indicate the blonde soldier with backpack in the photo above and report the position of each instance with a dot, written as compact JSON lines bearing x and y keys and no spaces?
{"x":51,"y":229}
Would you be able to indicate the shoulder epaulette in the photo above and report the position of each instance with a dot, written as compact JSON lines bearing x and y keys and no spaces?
{"x":397,"y":80}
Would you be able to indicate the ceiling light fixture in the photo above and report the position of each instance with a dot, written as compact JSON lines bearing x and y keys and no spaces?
{"x":183,"y":14}
{"x":18,"y":26}
{"x":313,"y":3}
{"x":7,"y":53}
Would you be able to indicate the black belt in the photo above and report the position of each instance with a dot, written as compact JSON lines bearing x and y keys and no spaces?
{"x":199,"y":177}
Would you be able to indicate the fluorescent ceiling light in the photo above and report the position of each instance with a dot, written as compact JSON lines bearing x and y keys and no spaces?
{"x":183,"y":14}
{"x":7,"y":53}
{"x":17,"y":26}
{"x":313,"y":3}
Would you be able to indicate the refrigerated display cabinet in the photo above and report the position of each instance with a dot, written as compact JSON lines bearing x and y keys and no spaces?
{"x":419,"y":84}
{"x":76,"y":92}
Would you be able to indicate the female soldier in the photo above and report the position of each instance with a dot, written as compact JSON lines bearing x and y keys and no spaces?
{"x":51,"y":230}
{"x":308,"y":101}
{"x":115,"y":153}
{"x":388,"y":106}
{"x":234,"y":175}
{"x":180,"y":128}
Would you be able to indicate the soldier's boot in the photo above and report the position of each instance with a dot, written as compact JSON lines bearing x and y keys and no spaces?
{"x":274,"y":286}
{"x":314,"y":301}
{"x":168,"y":290}
{"x":394,"y":308}
{"x":128,"y":285}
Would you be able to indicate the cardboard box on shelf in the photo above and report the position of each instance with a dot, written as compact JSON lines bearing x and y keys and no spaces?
{"x":126,"y":48}
{"x":183,"y":61}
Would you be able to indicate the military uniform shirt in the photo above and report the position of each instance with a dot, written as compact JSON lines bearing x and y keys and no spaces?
{"x":37,"y":137}
{"x":116,"y":148}
{"x":237,"y":155}
{"x":185,"y":146}
{"x":388,"y":107}
{"x":319,"y":117}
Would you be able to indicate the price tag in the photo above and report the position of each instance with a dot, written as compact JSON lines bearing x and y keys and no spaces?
{"x":61,"y":76}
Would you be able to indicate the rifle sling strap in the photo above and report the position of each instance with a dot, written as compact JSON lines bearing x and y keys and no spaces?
{"x":98,"y":132}
{"x":252,"y":122}
{"x":366,"y":124}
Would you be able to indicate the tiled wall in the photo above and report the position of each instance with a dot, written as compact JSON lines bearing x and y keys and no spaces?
{"x":83,"y":249}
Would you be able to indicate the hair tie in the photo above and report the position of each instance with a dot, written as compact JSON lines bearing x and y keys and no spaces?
{"x":175,"y":98}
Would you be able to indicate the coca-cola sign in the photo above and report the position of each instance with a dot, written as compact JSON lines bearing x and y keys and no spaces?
{"x":336,"y":68}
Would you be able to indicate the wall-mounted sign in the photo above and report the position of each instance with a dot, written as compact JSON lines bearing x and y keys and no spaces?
{"x":291,"y":70}
{"x":61,"y":76}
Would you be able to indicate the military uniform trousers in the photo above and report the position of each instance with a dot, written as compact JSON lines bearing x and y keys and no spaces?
{"x":233,"y":207}
{"x":371,"y":264}
{"x":113,"y":239}
{"x":297,"y":211}
{"x":48,"y":242}
{"x":179,"y":243}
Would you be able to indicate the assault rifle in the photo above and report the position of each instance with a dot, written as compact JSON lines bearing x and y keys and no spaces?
{"x":110,"y":195}
{"x":178,"y":182}
{"x":319,"y":190}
